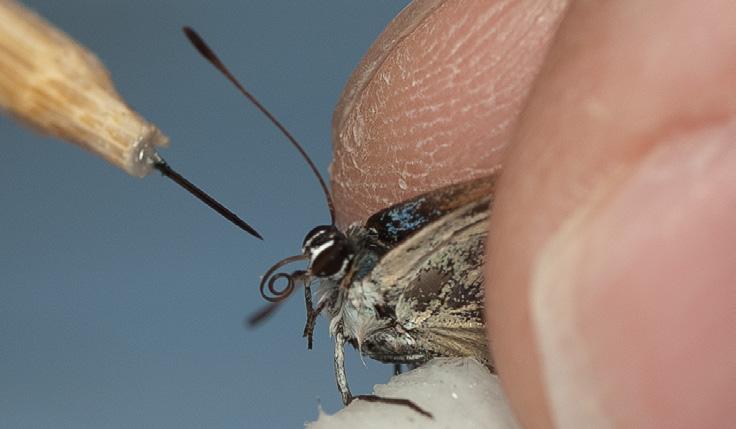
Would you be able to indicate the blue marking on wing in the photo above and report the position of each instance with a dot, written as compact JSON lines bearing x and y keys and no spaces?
{"x":399,"y":221}
{"x":405,"y":218}
{"x":394,"y":224}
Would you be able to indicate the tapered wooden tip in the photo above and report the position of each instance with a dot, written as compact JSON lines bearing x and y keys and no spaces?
{"x":52,"y":83}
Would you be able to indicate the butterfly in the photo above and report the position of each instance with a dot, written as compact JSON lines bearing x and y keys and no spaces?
{"x":403,"y":287}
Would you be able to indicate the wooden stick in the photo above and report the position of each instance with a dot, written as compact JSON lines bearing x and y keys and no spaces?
{"x":52,"y":83}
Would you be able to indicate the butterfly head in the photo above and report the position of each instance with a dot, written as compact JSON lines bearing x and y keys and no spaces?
{"x":329,"y":252}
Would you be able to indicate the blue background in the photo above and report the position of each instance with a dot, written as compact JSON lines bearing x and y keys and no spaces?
{"x":122,"y":300}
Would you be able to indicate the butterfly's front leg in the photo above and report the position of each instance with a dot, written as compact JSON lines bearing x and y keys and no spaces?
{"x":340,"y":375}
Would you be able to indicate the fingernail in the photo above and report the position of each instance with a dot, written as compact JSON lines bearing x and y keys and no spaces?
{"x":633,"y":298}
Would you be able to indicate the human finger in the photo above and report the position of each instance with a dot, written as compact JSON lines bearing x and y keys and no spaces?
{"x":613,"y":260}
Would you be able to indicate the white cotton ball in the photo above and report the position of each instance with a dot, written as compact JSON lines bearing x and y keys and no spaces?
{"x":460,"y":393}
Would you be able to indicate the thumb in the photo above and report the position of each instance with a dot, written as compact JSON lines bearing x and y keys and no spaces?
{"x":614,"y":258}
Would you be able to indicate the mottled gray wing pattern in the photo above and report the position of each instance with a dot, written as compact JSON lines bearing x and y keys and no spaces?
{"x":436,"y":278}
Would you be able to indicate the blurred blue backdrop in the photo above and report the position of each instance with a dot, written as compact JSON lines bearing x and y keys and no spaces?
{"x":122,"y":300}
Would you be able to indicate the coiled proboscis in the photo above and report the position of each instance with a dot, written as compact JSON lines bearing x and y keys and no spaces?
{"x":268,"y":287}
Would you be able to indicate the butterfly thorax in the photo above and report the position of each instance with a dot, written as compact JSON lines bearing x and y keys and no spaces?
{"x":356,"y":306}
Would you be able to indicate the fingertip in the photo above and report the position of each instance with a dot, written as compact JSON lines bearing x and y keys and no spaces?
{"x":435,"y":99}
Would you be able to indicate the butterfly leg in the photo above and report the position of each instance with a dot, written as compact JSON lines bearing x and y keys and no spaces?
{"x":312,"y":314}
{"x":342,"y":381}
{"x":311,"y":317}
{"x":340,"y":375}
{"x":395,"y":401}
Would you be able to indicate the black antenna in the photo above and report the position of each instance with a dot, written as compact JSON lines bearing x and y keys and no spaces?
{"x":161,"y":165}
{"x":210,"y":56}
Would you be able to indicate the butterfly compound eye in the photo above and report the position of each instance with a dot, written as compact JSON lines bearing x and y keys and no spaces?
{"x":328,"y":251}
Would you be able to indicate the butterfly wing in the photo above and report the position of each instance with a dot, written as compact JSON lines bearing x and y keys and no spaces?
{"x":398,"y":222}
{"x":435,"y":276}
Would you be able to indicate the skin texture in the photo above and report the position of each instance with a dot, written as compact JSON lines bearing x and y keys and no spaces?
{"x":611,"y":272}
